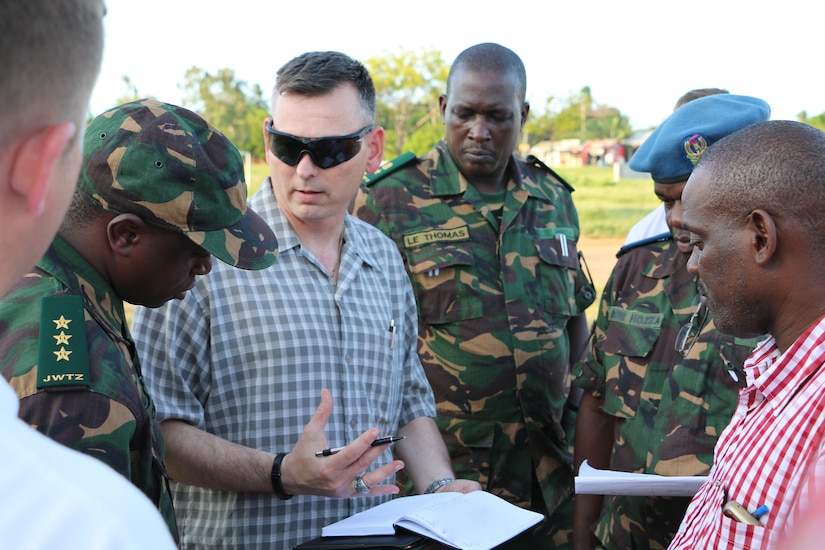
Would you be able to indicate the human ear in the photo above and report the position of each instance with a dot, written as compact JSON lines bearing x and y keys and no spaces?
{"x":35,"y":161}
{"x":525,"y":110}
{"x":124,"y":232}
{"x":764,"y":236}
{"x":375,"y":145}
{"x":267,"y":152}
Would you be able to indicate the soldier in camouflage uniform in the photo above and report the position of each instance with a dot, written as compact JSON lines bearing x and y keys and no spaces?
{"x":160,"y":189}
{"x":489,"y":242}
{"x":660,"y":381}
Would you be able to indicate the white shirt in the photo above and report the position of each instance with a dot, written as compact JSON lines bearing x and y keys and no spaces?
{"x":54,"y":497}
{"x":654,"y":223}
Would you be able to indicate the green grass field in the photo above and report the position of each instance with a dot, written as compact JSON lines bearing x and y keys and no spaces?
{"x":607,"y":209}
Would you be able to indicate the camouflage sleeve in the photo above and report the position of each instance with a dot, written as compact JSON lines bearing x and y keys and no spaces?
{"x":628,"y":324}
{"x":84,"y":421}
{"x":364,"y":207}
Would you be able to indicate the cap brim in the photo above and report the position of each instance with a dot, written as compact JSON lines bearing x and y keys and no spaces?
{"x":249,"y":244}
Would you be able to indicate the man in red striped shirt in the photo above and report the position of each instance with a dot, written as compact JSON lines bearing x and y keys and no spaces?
{"x":754,"y":206}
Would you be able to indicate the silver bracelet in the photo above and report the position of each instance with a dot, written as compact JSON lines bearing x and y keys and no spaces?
{"x":437,"y":484}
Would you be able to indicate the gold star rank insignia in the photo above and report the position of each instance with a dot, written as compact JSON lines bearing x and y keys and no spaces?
{"x":61,"y":323}
{"x":62,"y":359}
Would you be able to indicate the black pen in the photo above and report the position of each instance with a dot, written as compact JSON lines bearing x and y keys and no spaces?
{"x":377,"y":443}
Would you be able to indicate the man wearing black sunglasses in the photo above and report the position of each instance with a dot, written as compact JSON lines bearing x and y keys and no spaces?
{"x":490,"y":244}
{"x":333,"y":319}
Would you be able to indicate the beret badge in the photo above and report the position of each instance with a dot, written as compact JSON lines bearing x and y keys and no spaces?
{"x":695,"y":145}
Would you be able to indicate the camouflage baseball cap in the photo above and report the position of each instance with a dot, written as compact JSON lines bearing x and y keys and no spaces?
{"x":176,"y":171}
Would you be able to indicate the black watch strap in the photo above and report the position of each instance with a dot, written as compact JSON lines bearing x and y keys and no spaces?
{"x":277,"y":485}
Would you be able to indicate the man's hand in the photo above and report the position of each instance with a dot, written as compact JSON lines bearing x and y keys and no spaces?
{"x":303,"y":473}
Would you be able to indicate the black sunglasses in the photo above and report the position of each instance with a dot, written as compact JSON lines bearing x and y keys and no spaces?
{"x":325,"y":152}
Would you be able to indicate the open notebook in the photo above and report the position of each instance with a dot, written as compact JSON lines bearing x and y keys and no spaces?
{"x":472,"y":521}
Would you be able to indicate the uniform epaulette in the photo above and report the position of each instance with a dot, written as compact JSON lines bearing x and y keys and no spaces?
{"x":388,"y":168}
{"x":539,"y":164}
{"x":63,"y":359}
{"x":642,"y":242}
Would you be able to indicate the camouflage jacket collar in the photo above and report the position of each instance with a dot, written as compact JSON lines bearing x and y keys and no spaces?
{"x":446,"y":179}
{"x":667,"y":261}
{"x":65,"y":264}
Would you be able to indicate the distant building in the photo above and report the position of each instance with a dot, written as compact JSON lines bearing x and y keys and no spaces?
{"x":565,"y":153}
{"x":572,"y":153}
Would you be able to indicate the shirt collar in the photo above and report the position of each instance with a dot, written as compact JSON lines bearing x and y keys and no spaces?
{"x":446,"y":179}
{"x":779,"y":376}
{"x":668,"y":260}
{"x":263,"y":202}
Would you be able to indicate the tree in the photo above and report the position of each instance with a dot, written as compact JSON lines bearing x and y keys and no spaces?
{"x":236,"y":108}
{"x":607,"y":122}
{"x":407,"y":87}
{"x":541,"y":124}
{"x":817,"y":121}
{"x":585,"y":119}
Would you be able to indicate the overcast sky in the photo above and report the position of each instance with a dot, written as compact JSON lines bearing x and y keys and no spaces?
{"x":636,"y":55}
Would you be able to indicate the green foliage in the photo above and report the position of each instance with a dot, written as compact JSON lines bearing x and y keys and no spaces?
{"x":817,"y":121}
{"x":260,"y":171}
{"x":585,"y":119}
{"x":540,"y":125}
{"x":234,"y":107}
{"x":407,"y":85}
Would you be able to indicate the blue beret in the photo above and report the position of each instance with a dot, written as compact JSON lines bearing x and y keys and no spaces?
{"x":672,"y":150}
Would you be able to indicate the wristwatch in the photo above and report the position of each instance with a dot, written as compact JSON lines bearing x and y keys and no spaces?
{"x":277,"y":484}
{"x":438,"y":484}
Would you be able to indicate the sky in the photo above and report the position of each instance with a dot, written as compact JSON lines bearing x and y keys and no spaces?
{"x":637,"y":55}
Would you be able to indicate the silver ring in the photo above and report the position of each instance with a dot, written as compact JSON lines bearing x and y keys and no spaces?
{"x":361,"y":487}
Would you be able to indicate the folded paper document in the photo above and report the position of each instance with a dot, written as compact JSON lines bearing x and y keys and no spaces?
{"x":472,"y":521}
{"x":593,"y":481}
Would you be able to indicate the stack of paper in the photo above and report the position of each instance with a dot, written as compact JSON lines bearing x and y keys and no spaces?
{"x":592,"y":481}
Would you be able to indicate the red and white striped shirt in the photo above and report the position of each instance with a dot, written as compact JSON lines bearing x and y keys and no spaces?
{"x":771,"y":453}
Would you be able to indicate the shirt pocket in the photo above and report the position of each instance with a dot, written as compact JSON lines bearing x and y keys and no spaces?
{"x":733,"y":533}
{"x":443,"y":282}
{"x":628,"y":340}
{"x":558,"y":275}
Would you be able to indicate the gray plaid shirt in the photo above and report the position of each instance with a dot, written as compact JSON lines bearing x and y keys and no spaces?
{"x":245,"y":355}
